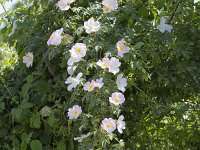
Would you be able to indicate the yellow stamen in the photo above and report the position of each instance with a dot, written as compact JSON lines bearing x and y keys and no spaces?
{"x":78,"y":50}
{"x":108,"y":125}
{"x":29,"y":58}
{"x":90,"y":86}
{"x":75,"y":112}
{"x":116,"y":99}
{"x":106,"y":9}
{"x":103,"y":64}
{"x":121,"y":48}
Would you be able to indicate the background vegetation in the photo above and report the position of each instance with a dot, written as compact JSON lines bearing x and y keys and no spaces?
{"x":162,"y":107}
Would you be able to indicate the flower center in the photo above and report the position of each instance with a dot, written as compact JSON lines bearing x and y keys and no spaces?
{"x":73,"y":79}
{"x":103,"y":64}
{"x":91,"y":26}
{"x":78,"y":50}
{"x":29,"y":58}
{"x":106,"y":9}
{"x":116,"y":99}
{"x":108,"y":125}
{"x":75,"y":112}
{"x":121,"y":48}
{"x":90,"y":86}
{"x":52,"y":36}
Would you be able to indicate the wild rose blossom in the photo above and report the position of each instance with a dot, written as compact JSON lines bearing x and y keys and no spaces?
{"x":122,"y":48}
{"x":109,"y":5}
{"x":164,"y":27}
{"x":73,"y":82}
{"x":77,"y":52}
{"x":89,"y":86}
{"x":55,"y":38}
{"x":91,"y":25}
{"x":121,"y":124}
{"x":104,"y":63}
{"x":64,"y":4}
{"x":99,"y":83}
{"x":28,"y":59}
{"x":121,"y":82}
{"x":117,"y":98}
{"x":114,"y":65}
{"x":108,"y":124}
{"x":74,"y":112}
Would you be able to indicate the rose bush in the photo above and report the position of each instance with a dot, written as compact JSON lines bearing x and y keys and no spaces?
{"x":102,"y":75}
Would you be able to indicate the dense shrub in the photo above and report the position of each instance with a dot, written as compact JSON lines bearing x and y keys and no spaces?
{"x":161,"y":108}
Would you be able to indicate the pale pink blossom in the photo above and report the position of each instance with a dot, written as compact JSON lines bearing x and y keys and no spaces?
{"x":163,"y":26}
{"x":78,"y":50}
{"x":121,"y":82}
{"x":91,"y":25}
{"x":99,"y":83}
{"x":89,"y":86}
{"x":74,"y":112}
{"x":55,"y":38}
{"x":28,"y":59}
{"x":104,"y":63}
{"x":108,"y":124}
{"x":71,"y":69}
{"x":114,"y":65}
{"x":73,"y":82}
{"x":64,"y":4}
{"x":109,"y":5}
{"x":122,"y":48}
{"x":72,"y":60}
{"x":121,"y":124}
{"x":117,"y":98}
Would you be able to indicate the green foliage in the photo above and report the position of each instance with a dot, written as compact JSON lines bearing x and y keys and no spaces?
{"x":162,"y":109}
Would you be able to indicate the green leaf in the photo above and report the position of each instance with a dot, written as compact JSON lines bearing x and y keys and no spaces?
{"x":26,"y":105}
{"x":30,"y":78}
{"x":16,"y":113}
{"x":3,"y":132}
{"x":25,"y":90}
{"x":36,"y":145}
{"x":61,"y":146}
{"x":23,"y":146}
{"x":138,"y":45}
{"x":35,"y":121}
{"x":51,"y":120}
